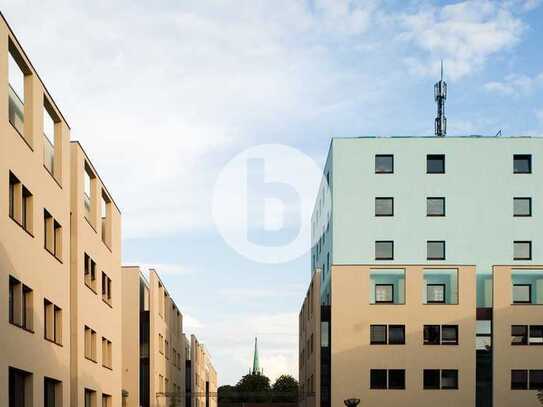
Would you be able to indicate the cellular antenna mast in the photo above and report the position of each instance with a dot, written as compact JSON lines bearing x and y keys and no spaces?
{"x":440,"y":95}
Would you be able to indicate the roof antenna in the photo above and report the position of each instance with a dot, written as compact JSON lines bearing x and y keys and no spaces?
{"x":498,"y":134}
{"x":440,"y":95}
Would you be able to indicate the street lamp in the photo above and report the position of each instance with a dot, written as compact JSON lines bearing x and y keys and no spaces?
{"x":352,"y":402}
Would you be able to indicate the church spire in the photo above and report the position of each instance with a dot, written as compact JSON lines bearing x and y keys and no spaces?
{"x":256,"y":362}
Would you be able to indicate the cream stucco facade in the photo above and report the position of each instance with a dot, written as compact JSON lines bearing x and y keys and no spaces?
{"x":203,"y":376}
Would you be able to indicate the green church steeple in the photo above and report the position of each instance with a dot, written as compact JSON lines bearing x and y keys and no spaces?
{"x":256,"y":361}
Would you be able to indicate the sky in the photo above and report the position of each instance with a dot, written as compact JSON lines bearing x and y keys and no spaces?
{"x":163,"y":95}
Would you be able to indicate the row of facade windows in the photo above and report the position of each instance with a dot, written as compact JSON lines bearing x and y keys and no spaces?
{"x":89,"y":270}
{"x":435,"y":250}
{"x":435,"y":164}
{"x":90,"y":350}
{"x":165,"y":349}
{"x":395,"y":335}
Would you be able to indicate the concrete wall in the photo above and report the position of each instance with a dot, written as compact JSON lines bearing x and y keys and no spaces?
{"x":202,"y":371}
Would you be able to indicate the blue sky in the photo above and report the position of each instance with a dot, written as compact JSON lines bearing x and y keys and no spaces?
{"x":162,"y":96}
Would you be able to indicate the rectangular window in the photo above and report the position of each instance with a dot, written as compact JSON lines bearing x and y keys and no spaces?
{"x":90,"y":344}
{"x":449,"y":379}
{"x":522,"y":250}
{"x":440,"y":286}
{"x":396,"y":334}
{"x":431,"y":379}
{"x":88,"y":195}
{"x":378,"y":379}
{"x":522,"y":164}
{"x":19,"y":388}
{"x":396,"y":379}
{"x":527,"y":286}
{"x":90,"y":272}
{"x":106,"y":288}
{"x":52,"y":390}
{"x":384,"y":250}
{"x":432,"y":334}
{"x":522,"y":293}
{"x":105,"y":217}
{"x":536,"y":334}
{"x":435,"y":206}
{"x":52,"y":235}
{"x":53,"y":322}
{"x":449,"y":335}
{"x":160,"y":343}
{"x":90,"y":398}
{"x":384,"y":293}
{"x":14,"y":198}
{"x":522,"y":207}
{"x":435,"y":250}
{"x":435,"y":293}
{"x":435,"y":164}
{"x":384,"y":164}
{"x":106,"y":400}
{"x":378,"y":334}
{"x":536,"y":379}
{"x":387,"y":286}
{"x":16,"y":78}
{"x":384,"y":206}
{"x":26,"y":211}
{"x":519,"y":379}
{"x":519,"y":335}
{"x":107,"y":357}
{"x":20,"y":204}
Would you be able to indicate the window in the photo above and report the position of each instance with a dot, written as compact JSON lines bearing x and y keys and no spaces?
{"x":522,"y":164}
{"x":387,"y":286}
{"x":20,"y":204}
{"x":449,"y":379}
{"x":396,"y":379}
{"x":435,"y":164}
{"x":90,"y":272}
{"x":435,"y":293}
{"x":432,"y":334}
{"x":52,"y":390}
{"x":522,"y":293}
{"x":160,"y":343}
{"x":431,"y":379}
{"x":378,"y":334}
{"x":106,"y":353}
{"x":16,"y":77}
{"x":384,"y":206}
{"x":449,"y":335}
{"x":435,"y":250}
{"x":20,"y":304}
{"x":378,"y":379}
{"x":522,"y":207}
{"x":52,"y":235}
{"x":435,"y":206}
{"x":106,"y":288}
{"x":167,"y":348}
{"x":105,"y":216}
{"x":536,"y":334}
{"x":106,"y":400}
{"x":396,"y":334}
{"x":519,"y":335}
{"x":527,"y":286}
{"x":90,"y":398}
{"x":440,"y":286}
{"x":50,"y":119}
{"x":20,"y":388}
{"x":90,"y":344}
{"x":519,"y":379}
{"x":384,"y":250}
{"x":536,"y":379}
{"x":522,"y":250}
{"x":53,"y":322}
{"x":384,"y":164}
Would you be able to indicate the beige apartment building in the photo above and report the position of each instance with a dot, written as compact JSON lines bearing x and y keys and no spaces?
{"x":203,"y":376}
{"x":153,"y":342}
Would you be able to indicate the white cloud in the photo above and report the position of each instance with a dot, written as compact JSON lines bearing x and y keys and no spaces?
{"x":515,"y":85}
{"x":464,"y":34}
{"x":191,"y":323}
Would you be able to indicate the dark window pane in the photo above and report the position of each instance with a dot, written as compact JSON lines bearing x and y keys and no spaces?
{"x":435,"y":164}
{"x":449,"y":379}
{"x":519,"y":379}
{"x":431,"y":378}
{"x":536,"y":335}
{"x":536,"y":379}
{"x":378,"y":334}
{"x":435,"y":206}
{"x":522,"y":164}
{"x":396,"y":334}
{"x":49,"y":393}
{"x":522,"y":206}
{"x":435,"y":250}
{"x":384,"y":206}
{"x":519,"y":335}
{"x":378,"y":379}
{"x":449,"y":334}
{"x":384,"y":164}
{"x":432,"y":334}
{"x":396,"y":379}
{"x":522,"y":250}
{"x":384,"y":250}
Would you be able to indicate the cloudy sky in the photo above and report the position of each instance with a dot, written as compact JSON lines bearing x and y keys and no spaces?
{"x":163,"y":94}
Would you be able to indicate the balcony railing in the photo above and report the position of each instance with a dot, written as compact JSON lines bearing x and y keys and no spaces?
{"x":16,"y":110}
{"x":48,"y":154}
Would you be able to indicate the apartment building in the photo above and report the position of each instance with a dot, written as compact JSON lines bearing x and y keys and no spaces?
{"x":152,"y":329}
{"x":96,"y":288}
{"x":431,"y":273}
{"x":34,"y":236}
{"x":203,"y":376}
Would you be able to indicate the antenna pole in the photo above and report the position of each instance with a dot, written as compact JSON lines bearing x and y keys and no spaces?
{"x":440,"y":95}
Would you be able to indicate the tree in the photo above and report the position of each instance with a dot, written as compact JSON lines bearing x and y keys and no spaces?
{"x":227,"y":394}
{"x":285,"y":389}
{"x":254,"y":388}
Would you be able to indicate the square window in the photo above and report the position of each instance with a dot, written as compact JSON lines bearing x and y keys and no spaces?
{"x":449,"y":379}
{"x":522,"y":164}
{"x":432,"y":334}
{"x":384,"y":293}
{"x":384,"y":164}
{"x":396,"y":379}
{"x":522,"y":206}
{"x":435,"y":293}
{"x":435,"y":250}
{"x":384,"y":206}
{"x":431,"y":379}
{"x":449,"y":335}
{"x":536,"y":379}
{"x":435,"y":206}
{"x":378,"y":334}
{"x":522,"y":294}
{"x":435,"y":164}
{"x":519,"y":379}
{"x":522,"y":250}
{"x":536,"y":334}
{"x":378,"y":379}
{"x":519,"y":335}
{"x":384,"y":250}
{"x":396,"y":334}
